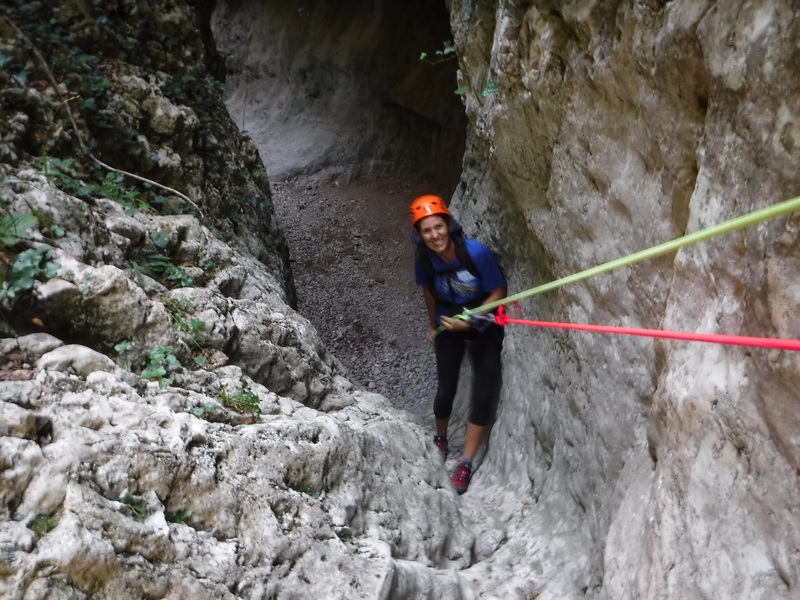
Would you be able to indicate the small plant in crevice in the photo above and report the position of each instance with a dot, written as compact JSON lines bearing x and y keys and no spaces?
{"x":204,"y":261}
{"x":161,"y":269}
{"x":204,"y":410}
{"x":345,"y":534}
{"x":122,"y":349}
{"x":160,"y":266}
{"x":447,"y":52}
{"x":490,"y":89}
{"x":308,"y":489}
{"x":14,"y":226}
{"x":245,"y":401}
{"x":137,"y":506}
{"x":161,"y":362}
{"x":180,"y":517}
{"x":186,"y":323}
{"x":29,"y":266}
{"x":43,"y":524}
{"x":68,"y":176}
{"x":180,"y":316}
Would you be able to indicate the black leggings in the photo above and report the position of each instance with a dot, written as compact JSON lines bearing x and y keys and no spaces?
{"x":484,"y":350}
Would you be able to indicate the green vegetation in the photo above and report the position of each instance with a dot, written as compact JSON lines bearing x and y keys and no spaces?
{"x":122,"y":349}
{"x":182,"y":319}
{"x":30,"y":265}
{"x":308,"y":489}
{"x":161,"y":362}
{"x":70,"y":177}
{"x":43,"y":524}
{"x":183,"y":516}
{"x":185,"y":322}
{"x":243,"y":402}
{"x":14,"y":226}
{"x":137,"y":506}
{"x":490,"y":89}
{"x":94,"y":98}
{"x":161,"y":269}
{"x":447,"y":52}
{"x":203,"y":410}
{"x":345,"y":534}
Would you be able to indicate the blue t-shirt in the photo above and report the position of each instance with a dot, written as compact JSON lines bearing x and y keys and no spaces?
{"x":455,"y":286}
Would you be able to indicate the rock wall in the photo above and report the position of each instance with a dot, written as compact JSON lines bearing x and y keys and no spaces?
{"x":658,"y":469}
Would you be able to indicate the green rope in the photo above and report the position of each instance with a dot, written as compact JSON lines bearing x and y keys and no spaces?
{"x":753,"y":218}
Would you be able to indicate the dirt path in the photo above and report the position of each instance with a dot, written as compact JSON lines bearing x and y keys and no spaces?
{"x":352,"y":258}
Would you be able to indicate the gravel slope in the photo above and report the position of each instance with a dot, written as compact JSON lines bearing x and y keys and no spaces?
{"x":352,"y":258}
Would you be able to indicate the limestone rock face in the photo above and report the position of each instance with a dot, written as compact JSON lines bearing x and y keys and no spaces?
{"x":199,"y":440}
{"x":659,"y":470}
{"x":135,"y":490}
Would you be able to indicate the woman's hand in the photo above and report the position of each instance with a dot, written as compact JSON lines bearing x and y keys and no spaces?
{"x":452,"y":324}
{"x":431,"y":333}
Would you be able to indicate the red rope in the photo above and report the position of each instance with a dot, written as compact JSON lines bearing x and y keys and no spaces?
{"x":501,"y":318}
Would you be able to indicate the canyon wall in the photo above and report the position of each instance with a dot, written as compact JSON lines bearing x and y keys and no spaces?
{"x":597,"y":130}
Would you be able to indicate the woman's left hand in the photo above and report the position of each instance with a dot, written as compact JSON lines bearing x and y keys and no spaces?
{"x":451,"y":324}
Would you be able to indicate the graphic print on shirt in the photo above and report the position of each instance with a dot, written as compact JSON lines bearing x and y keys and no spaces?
{"x":459,"y":287}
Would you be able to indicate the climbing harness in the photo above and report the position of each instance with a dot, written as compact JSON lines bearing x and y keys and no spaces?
{"x":771,"y":212}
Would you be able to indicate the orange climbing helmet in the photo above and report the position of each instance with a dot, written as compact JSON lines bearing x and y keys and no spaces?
{"x":425,"y":206}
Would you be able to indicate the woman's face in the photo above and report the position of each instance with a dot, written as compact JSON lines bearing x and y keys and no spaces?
{"x":435,"y":233}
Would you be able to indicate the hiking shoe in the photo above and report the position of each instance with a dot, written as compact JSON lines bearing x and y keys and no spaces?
{"x":461,"y":476}
{"x":441,"y":443}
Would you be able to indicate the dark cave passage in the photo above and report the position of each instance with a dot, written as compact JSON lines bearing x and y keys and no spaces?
{"x":334,"y":90}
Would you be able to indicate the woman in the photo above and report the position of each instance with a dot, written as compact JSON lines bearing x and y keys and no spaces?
{"x":458,"y":274}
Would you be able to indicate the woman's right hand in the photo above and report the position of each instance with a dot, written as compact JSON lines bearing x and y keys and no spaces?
{"x":431,"y":333}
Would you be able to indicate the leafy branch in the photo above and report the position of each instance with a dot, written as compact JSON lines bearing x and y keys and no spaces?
{"x":448,"y":52}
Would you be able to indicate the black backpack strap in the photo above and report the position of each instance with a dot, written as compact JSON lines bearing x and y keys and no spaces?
{"x":464,"y":257}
